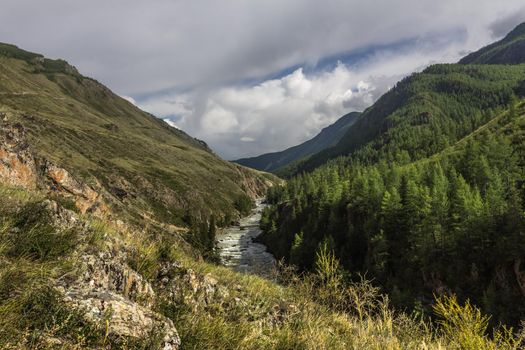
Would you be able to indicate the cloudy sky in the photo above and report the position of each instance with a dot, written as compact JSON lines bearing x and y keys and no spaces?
{"x":250,"y":77}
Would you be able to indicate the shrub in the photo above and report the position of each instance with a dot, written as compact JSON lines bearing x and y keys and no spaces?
{"x":144,"y":258}
{"x":243,"y":204}
{"x":465,"y":327}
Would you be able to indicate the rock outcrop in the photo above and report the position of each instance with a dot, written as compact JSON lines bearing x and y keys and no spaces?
{"x":59,"y":180}
{"x":125,"y":318}
{"x":17,"y":165}
{"x":183,"y":286}
{"x":254,"y":186}
{"x":106,"y":289}
{"x":108,"y":272}
{"x":20,"y":167}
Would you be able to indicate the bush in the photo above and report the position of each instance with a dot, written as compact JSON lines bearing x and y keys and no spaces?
{"x":243,"y":204}
{"x":144,"y":259}
{"x":465,"y":327}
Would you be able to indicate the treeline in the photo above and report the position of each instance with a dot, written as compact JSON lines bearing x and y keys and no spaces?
{"x":451,"y":224}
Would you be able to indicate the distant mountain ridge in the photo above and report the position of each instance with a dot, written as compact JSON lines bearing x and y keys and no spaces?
{"x":328,"y":137}
{"x":509,"y":50}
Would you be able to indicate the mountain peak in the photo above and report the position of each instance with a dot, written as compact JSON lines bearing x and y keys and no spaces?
{"x":516,"y":32}
{"x":509,"y":50}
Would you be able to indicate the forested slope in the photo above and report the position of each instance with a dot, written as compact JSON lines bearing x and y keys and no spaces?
{"x":424,"y":194}
{"x":509,"y":50}
{"x":452,"y":223}
{"x":426,"y":112}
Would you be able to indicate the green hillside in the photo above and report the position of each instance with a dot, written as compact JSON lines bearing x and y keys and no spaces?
{"x":426,"y":112}
{"x":424,"y":194}
{"x":140,"y":164}
{"x":329,"y":136}
{"x":453,"y":222}
{"x":509,"y":50}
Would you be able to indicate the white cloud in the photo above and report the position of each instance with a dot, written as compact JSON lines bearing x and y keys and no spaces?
{"x":218,"y":119}
{"x":190,"y":61}
{"x":239,"y":121}
{"x":140,"y":47}
{"x":129,"y":99}
{"x":171,"y":123}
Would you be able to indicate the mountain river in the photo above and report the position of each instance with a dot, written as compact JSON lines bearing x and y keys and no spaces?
{"x":237,"y":248}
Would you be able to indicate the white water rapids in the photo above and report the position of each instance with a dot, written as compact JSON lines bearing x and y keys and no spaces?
{"x":238,"y":250}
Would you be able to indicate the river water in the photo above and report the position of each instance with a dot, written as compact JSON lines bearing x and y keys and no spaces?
{"x":238,"y":250}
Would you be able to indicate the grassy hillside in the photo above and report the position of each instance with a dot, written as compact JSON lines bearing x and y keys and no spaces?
{"x":143,"y":166}
{"x":328,"y":137}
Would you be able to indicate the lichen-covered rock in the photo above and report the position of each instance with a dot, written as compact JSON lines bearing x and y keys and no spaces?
{"x":109,"y":290}
{"x":17,"y":165}
{"x":20,"y":167}
{"x":60,"y":180}
{"x":62,"y":218}
{"x":185,"y":287}
{"x":124,"y":317}
{"x":106,"y":272}
{"x":106,"y":289}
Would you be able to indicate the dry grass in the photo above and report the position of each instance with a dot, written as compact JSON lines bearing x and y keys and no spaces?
{"x":307,"y":312}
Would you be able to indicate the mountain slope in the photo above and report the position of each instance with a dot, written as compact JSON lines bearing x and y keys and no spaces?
{"x":429,"y":110}
{"x":449,"y":223}
{"x":426,"y":112}
{"x":136,"y":162}
{"x":328,"y":137}
{"x":509,"y":50}
{"x":424,"y":194}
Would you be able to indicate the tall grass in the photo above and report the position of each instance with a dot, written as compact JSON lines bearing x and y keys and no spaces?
{"x":323,"y":310}
{"x":34,"y":253}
